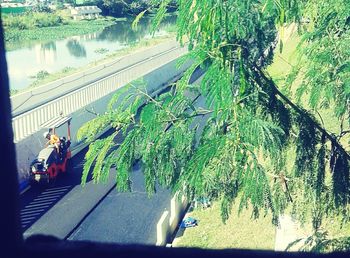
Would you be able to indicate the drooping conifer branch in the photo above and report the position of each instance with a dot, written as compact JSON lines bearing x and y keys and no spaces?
{"x":302,"y":112}
{"x":246,"y":136}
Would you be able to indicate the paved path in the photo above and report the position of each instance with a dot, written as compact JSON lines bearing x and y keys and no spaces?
{"x":128,"y":218}
{"x":287,"y":232}
{"x":97,"y":211}
{"x":57,"y":209}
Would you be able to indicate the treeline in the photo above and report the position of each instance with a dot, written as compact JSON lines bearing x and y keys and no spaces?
{"x":42,"y":16}
{"x":32,"y":20}
{"x":122,"y":8}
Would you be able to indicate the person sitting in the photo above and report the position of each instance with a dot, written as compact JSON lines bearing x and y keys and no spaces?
{"x":53,"y":139}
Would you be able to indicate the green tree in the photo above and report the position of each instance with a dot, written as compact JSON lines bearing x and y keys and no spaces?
{"x":249,"y":124}
{"x":118,"y":7}
{"x":41,"y":7}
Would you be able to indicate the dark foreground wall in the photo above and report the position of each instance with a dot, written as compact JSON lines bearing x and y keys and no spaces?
{"x":41,"y":246}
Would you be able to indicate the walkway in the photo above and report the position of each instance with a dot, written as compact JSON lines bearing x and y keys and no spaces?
{"x":287,"y":232}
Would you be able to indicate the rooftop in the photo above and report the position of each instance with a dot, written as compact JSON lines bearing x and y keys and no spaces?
{"x":86,"y":10}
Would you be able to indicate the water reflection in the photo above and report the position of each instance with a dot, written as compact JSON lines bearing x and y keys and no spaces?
{"x":121,"y":32}
{"x":48,"y":46}
{"x":86,"y":37}
{"x":76,"y":51}
{"x":46,"y":53}
{"x":75,"y":48}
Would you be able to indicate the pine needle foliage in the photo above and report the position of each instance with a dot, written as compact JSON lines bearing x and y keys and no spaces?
{"x":321,"y":242}
{"x":232,"y":146}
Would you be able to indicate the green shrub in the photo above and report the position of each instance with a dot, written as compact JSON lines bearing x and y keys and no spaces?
{"x":42,"y":75}
{"x":14,"y":22}
{"x":31,"y":20}
{"x":47,"y":20}
{"x":15,"y":38}
{"x":67,"y":69}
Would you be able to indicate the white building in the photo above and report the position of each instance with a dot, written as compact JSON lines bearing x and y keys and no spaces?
{"x":85,"y":12}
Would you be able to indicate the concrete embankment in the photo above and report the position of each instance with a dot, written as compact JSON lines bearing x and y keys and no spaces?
{"x":27,"y":149}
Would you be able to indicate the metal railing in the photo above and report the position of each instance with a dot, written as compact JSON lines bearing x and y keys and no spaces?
{"x":29,"y":122}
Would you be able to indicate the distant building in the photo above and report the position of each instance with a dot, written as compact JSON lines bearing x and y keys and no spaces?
{"x":85,"y":12}
{"x":13,"y":7}
{"x":12,"y":1}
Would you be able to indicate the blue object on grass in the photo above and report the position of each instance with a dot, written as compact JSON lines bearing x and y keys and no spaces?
{"x":188,"y":222}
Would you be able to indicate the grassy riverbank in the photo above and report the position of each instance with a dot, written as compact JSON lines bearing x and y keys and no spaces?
{"x":240,"y":231}
{"x":16,"y":38}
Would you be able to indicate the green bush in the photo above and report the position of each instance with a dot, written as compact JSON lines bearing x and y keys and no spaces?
{"x":42,"y":75}
{"x":15,"y":38}
{"x":31,"y":20}
{"x":67,"y":69}
{"x":14,"y":22}
{"x":47,"y":20}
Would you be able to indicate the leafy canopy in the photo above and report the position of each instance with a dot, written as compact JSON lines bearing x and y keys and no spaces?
{"x":229,"y":136}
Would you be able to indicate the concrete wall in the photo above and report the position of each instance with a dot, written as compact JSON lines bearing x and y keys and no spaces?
{"x":28,"y":148}
{"x":163,"y":229}
{"x":169,"y":221}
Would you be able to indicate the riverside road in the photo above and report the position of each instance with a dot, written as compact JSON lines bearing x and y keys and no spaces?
{"x":117,"y":217}
{"x":95,"y":212}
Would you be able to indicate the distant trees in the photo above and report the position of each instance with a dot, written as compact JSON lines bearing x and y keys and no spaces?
{"x":119,"y":7}
{"x":31,"y":20}
{"x":122,"y":7}
{"x":41,"y":7}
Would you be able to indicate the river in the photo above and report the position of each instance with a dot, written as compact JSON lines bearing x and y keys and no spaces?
{"x":53,"y":56}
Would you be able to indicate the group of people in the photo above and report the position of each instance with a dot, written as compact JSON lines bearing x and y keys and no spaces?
{"x":54,"y":140}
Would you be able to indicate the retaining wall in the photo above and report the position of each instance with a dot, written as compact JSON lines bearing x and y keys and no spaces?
{"x":28,"y":148}
{"x":169,"y":221}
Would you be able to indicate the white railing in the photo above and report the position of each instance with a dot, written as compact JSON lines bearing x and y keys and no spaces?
{"x":29,"y":122}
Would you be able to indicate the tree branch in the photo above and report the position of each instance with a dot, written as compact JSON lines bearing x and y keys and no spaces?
{"x":91,"y":112}
{"x":194,"y":114}
{"x":154,"y":101}
{"x":300,"y":111}
{"x":176,"y":119}
{"x":343,"y":133}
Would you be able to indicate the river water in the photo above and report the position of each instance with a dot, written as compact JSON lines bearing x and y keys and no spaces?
{"x":53,"y":56}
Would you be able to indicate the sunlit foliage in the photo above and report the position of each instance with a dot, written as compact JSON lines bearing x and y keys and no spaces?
{"x":227,"y":137}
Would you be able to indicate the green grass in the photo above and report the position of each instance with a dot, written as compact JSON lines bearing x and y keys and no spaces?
{"x":283,"y":62}
{"x":15,"y":38}
{"x":51,"y":77}
{"x":282,"y":65}
{"x":332,"y":226}
{"x":278,"y":70}
{"x":240,"y":231}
